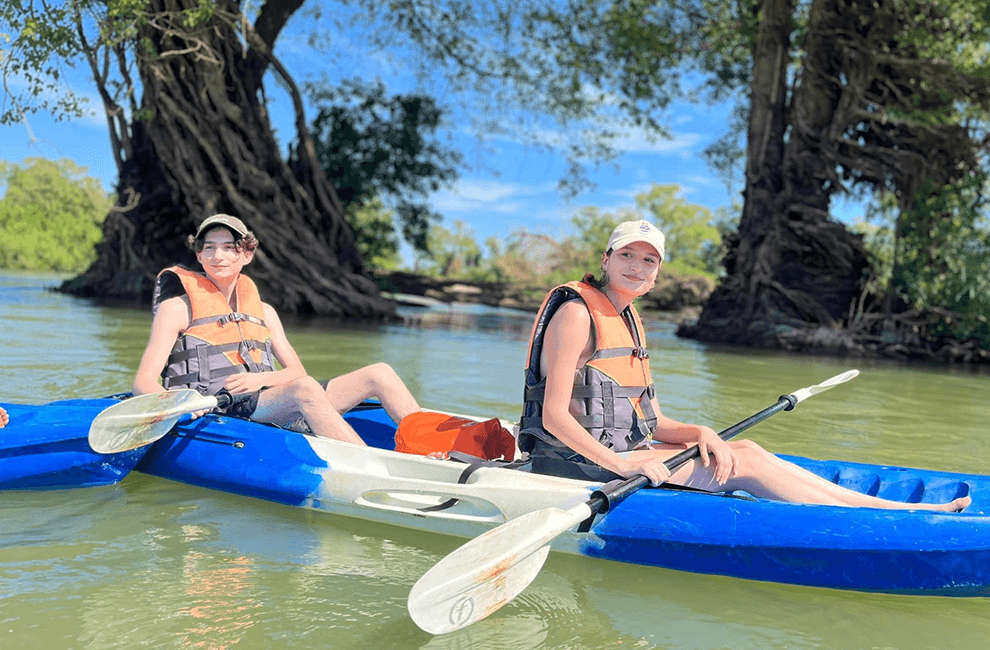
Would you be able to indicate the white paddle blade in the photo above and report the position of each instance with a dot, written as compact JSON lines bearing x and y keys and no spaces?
{"x":141,"y":420}
{"x":489,"y":571}
{"x":805,"y":393}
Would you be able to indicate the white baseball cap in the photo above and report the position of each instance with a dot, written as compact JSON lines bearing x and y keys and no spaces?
{"x":633,"y":231}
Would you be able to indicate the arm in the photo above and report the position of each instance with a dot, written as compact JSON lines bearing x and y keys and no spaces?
{"x":170,"y":320}
{"x":567,"y":338}
{"x":709,"y":444}
{"x":292,"y":367}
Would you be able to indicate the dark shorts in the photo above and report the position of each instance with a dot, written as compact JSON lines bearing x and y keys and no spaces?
{"x":244,"y":405}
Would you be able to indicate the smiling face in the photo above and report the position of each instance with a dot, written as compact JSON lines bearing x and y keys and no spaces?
{"x":632,"y":270}
{"x":220,"y":257}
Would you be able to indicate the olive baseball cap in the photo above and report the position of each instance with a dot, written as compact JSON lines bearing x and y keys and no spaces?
{"x":235,"y":224}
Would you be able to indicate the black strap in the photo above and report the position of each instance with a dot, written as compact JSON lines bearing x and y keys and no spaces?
{"x":474,"y":463}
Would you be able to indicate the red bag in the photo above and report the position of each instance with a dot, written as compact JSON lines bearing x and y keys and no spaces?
{"x":425,"y":432}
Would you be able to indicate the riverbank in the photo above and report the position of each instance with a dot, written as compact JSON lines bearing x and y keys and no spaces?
{"x":677,"y":299}
{"x":680,"y":299}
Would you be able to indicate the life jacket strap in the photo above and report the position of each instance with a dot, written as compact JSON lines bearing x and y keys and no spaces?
{"x":611,"y":353}
{"x":240,"y":346}
{"x":221,"y":320}
{"x":581,"y":391}
{"x":196,"y":377}
{"x":586,"y":421}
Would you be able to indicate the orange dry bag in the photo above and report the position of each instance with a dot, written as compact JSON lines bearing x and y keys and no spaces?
{"x":425,"y":432}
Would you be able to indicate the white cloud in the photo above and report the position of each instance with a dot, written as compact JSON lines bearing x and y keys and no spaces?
{"x":641,"y":142}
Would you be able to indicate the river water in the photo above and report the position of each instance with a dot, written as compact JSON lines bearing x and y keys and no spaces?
{"x":151,"y":563}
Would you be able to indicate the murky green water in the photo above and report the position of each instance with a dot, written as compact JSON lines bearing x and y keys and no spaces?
{"x":155,"y":564}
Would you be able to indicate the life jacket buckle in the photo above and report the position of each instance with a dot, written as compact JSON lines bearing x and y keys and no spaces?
{"x":641,"y":353}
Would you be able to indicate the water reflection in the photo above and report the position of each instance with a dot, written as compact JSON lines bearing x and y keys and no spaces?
{"x":510,"y":323}
{"x":219,"y":600}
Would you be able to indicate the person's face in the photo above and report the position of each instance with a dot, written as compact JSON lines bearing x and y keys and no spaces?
{"x":632,"y":269}
{"x":220,"y":258}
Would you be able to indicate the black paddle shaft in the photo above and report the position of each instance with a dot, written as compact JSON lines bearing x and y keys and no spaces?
{"x":601,"y":501}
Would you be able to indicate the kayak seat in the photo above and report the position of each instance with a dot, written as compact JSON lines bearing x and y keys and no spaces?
{"x":905,"y":490}
{"x":858,"y":480}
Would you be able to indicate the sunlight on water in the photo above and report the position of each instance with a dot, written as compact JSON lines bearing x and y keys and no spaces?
{"x":154,"y":564}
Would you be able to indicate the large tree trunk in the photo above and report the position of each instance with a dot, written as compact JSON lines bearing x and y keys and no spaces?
{"x":201,"y":144}
{"x":788,"y":266}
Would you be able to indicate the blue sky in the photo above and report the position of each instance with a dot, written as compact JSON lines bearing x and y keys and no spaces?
{"x":511,"y":184}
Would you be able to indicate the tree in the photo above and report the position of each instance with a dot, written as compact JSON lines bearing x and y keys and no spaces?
{"x":874,"y":104}
{"x":835,"y":96}
{"x":692,"y":239}
{"x":50,"y":215}
{"x":374,"y":147}
{"x":181,"y":84}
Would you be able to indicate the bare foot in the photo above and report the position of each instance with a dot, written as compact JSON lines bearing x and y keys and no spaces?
{"x":956,"y":505}
{"x":4,"y":419}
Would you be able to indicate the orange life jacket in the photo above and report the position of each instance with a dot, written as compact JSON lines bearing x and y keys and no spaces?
{"x":615,"y":389}
{"x":219,"y":342}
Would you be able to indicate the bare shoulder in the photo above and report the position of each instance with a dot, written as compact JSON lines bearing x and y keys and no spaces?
{"x":271,"y":316}
{"x":572,"y":320}
{"x":174,"y":313}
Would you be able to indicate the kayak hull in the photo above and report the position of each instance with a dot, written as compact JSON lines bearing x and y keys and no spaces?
{"x":904,"y":551}
{"x":865,"y":549}
{"x":46,"y":447}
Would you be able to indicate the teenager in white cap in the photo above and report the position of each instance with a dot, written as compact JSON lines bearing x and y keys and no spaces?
{"x":212,"y":332}
{"x":591,"y":410}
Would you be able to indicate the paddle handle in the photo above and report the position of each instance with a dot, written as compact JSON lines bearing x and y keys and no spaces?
{"x":602,"y":500}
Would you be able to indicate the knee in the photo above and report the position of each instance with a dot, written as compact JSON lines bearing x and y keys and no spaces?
{"x":307,"y":390}
{"x":750,"y":457}
{"x":382,"y":374}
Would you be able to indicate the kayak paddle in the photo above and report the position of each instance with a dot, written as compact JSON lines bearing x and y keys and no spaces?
{"x":490,"y":570}
{"x":141,"y":420}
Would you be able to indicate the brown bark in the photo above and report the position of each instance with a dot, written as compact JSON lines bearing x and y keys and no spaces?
{"x":201,"y":144}
{"x":788,"y":264}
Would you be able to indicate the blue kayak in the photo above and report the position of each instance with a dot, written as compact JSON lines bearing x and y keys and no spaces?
{"x":47,"y":447}
{"x":904,"y":551}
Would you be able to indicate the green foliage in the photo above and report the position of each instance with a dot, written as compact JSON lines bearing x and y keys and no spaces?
{"x":378,"y":147}
{"x":374,"y":232}
{"x":693,"y":240}
{"x":943,"y":258}
{"x":693,"y":244}
{"x":41,"y":40}
{"x":939,"y":261}
{"x":452,"y":253}
{"x":50,"y":216}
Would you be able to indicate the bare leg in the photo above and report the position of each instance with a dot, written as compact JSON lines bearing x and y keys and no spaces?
{"x":377,"y":380}
{"x":4,"y":419}
{"x":304,"y":397}
{"x":764,"y":475}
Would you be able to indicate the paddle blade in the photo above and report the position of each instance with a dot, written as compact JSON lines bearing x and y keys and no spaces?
{"x":805,"y":393}
{"x":489,"y":571}
{"x":141,"y":420}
